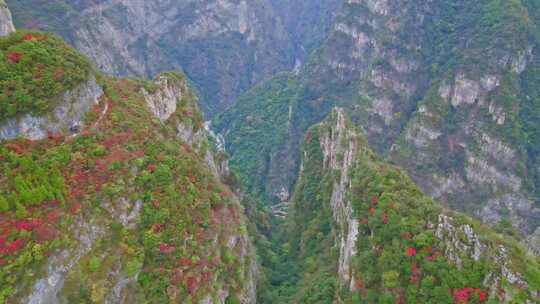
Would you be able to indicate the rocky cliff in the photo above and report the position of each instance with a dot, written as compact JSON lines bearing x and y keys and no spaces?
{"x":225,"y":47}
{"x":129,"y":208}
{"x":66,"y":118}
{"x":6,"y":24}
{"x":390,"y":240}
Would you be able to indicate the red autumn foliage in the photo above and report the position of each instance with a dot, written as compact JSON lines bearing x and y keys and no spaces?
{"x":165,"y":248}
{"x":46,"y":233}
{"x":371,"y":211}
{"x":415,"y":274}
{"x":117,"y":140}
{"x":156,"y":228}
{"x":152,"y":168}
{"x":434,"y":256}
{"x":138,"y":154}
{"x":27,"y":225}
{"x":385,"y":218}
{"x":58,"y":74}
{"x":185,"y":262}
{"x":75,"y":208}
{"x":192,"y":284}
{"x":482,"y":296}
{"x":55,"y":136}
{"x":186,"y":147}
{"x":187,"y":112}
{"x":18,"y":148}
{"x":462,"y":296}
{"x":206,"y":276}
{"x":28,"y":37}
{"x":14,"y":57}
{"x":13,"y":247}
{"x":360,"y":287}
{"x":411,"y":252}
{"x":374,"y":200}
{"x":406,"y":235}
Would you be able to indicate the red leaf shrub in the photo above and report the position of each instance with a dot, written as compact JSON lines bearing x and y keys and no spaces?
{"x":411,"y":252}
{"x":385,"y":218}
{"x":156,"y":228}
{"x":27,"y":225}
{"x":185,"y":262}
{"x":75,"y":208}
{"x":13,"y":247}
{"x":14,"y":57}
{"x":192,"y":284}
{"x":462,"y":296}
{"x":415,"y":274}
{"x":59,"y":74}
{"x":374,"y":200}
{"x":29,"y":37}
{"x":17,"y":148}
{"x":45,"y":233}
{"x":53,"y":216}
{"x":165,"y":248}
{"x":406,"y":235}
{"x":482,"y":295}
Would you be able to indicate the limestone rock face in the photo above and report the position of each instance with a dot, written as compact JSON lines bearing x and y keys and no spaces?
{"x":342,"y":142}
{"x":164,"y":100}
{"x":6,"y":23}
{"x":67,"y":118}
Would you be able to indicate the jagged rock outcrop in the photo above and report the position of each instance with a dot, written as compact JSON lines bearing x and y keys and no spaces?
{"x":163,"y":100}
{"x":6,"y":23}
{"x":66,"y":118}
{"x":340,"y":146}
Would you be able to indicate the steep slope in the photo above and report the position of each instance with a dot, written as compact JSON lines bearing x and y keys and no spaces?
{"x":124,"y":202}
{"x":362,"y":232}
{"x":446,"y":89}
{"x":225,"y":47}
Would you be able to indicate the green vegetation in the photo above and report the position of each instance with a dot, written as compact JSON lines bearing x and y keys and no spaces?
{"x":260,"y":123}
{"x":399,"y":257}
{"x":35,"y":69}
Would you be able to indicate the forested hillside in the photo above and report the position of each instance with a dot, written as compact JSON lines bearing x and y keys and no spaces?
{"x":360,"y":231}
{"x":126,"y":204}
{"x":381,"y":151}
